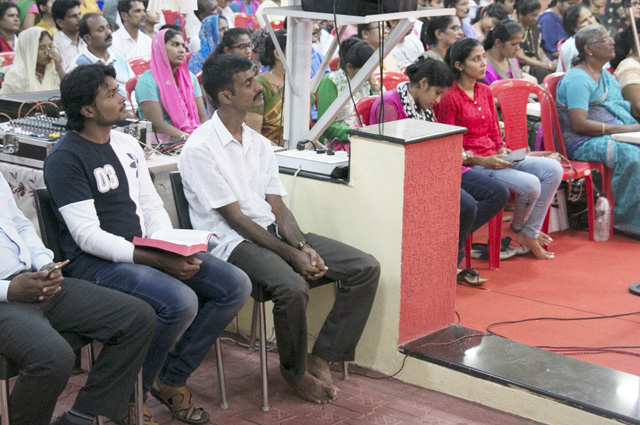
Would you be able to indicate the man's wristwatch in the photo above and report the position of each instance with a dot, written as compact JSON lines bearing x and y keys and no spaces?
{"x":302,"y":244}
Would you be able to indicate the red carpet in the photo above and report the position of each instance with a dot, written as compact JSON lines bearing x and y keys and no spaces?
{"x":586,"y":279}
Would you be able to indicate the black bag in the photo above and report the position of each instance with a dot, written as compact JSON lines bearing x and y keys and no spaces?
{"x":359,"y":7}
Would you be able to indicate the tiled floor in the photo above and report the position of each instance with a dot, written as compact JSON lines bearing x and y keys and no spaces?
{"x":362,"y":400}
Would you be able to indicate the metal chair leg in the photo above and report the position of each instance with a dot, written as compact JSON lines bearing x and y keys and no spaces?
{"x":221,"y":381}
{"x":139,"y":400}
{"x":263,"y":357}
{"x":345,"y":371}
{"x":4,"y":401}
{"x":254,"y":323}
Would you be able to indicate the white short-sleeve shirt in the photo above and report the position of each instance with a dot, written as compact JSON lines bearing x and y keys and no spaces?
{"x":129,"y":48}
{"x":217,"y":170}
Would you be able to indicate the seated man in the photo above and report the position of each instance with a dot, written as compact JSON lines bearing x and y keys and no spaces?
{"x":37,"y":305}
{"x":104,"y":196}
{"x":231,"y":181}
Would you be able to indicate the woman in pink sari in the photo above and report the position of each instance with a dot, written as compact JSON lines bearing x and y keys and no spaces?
{"x":168,"y":94}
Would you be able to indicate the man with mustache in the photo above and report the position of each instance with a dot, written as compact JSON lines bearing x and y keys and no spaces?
{"x":231,"y":181}
{"x":95,"y":31}
{"x":66,"y":15}
{"x":129,"y":40}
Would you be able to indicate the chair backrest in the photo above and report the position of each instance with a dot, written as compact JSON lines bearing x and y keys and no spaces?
{"x":277,"y":25}
{"x":391,"y":79}
{"x":176,"y":18}
{"x":49,"y":227}
{"x":334,"y":64}
{"x":551,"y":82}
{"x":8,"y":58}
{"x":513,"y":96}
{"x":140,"y":64}
{"x":363,"y":108}
{"x":182,"y":206}
{"x":245,"y":20}
{"x":553,"y":143}
{"x":130,"y":87}
{"x":558,"y":46}
{"x":199,"y":77}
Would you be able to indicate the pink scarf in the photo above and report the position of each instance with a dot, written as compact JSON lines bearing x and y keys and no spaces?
{"x":179,"y":101}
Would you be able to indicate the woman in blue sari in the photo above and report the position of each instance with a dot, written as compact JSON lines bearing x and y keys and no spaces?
{"x":591,"y":109}
{"x":211,"y":31}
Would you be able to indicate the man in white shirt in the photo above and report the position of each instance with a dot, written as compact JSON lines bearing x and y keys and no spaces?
{"x":95,"y":31}
{"x":408,"y":50}
{"x":231,"y":181}
{"x":129,"y":41}
{"x":66,"y":14}
{"x":37,"y":305}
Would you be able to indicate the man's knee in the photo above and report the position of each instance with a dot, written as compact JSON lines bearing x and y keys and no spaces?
{"x":291,"y":292}
{"x":370,"y":270}
{"x":52,"y":361}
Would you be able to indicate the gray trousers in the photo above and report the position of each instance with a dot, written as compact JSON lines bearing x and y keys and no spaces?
{"x":40,"y":338}
{"x":358,"y":274}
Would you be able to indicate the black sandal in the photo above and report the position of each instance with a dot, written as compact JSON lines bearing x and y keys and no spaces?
{"x":470,"y":277}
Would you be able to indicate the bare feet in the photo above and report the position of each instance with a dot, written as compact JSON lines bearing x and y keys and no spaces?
{"x":544,"y":239}
{"x":534,"y":246}
{"x":314,"y":390}
{"x":320,"y":369}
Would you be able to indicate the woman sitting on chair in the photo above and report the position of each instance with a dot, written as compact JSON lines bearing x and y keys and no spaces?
{"x":442,"y":32}
{"x":590,"y":109}
{"x":574,"y":18}
{"x":168,"y":94}
{"x":36,"y":66}
{"x":9,"y":26}
{"x":353,"y":55}
{"x":627,"y":68}
{"x":531,"y":57}
{"x":502,"y":45}
{"x":487,"y":18}
{"x":481,"y":197}
{"x":534,"y":180}
{"x":211,"y":32}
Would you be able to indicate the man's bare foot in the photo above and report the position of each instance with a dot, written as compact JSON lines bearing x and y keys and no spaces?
{"x":534,"y":246}
{"x":320,"y":369}
{"x":544,"y":239}
{"x":314,"y":390}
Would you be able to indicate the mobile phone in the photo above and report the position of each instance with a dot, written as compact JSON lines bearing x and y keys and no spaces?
{"x":57,"y":267}
{"x":515,"y":156}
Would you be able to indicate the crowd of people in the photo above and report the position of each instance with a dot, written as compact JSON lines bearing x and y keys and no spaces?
{"x":218,"y":90}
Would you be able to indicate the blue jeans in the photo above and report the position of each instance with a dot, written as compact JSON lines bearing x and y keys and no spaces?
{"x":198,"y":309}
{"x":535,"y":181}
{"x":481,"y":198}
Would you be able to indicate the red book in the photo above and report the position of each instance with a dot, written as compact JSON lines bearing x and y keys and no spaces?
{"x":180,"y":241}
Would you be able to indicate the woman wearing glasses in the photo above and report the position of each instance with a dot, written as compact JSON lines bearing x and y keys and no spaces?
{"x":168,"y":94}
{"x":36,"y":66}
{"x":442,"y":32}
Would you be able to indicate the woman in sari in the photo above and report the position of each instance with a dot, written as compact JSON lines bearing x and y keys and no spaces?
{"x":591,"y":109}
{"x":245,"y":6}
{"x":211,"y":32}
{"x":353,"y":55}
{"x":9,"y":27}
{"x":442,"y":32}
{"x":37,"y":65}
{"x":168,"y":94}
{"x":268,"y":119}
{"x":481,"y":197}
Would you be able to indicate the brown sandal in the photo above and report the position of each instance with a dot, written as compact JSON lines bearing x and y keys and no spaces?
{"x":130,"y":418}
{"x":178,"y":400}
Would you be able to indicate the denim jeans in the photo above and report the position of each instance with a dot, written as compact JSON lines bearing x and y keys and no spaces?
{"x":535,"y":181}
{"x":198,"y":309}
{"x":481,"y":198}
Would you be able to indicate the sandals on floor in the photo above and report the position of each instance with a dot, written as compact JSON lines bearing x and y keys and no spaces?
{"x":520,"y":249}
{"x":178,"y":400}
{"x":471,"y":277}
{"x":130,"y":418}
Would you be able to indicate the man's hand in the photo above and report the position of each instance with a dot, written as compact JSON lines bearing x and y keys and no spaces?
{"x":178,"y":266}
{"x":35,"y":287}
{"x":308,"y":263}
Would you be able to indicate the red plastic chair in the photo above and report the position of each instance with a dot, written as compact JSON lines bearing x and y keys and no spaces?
{"x":334,"y":64}
{"x":551,"y":83}
{"x":277,"y":25}
{"x":390,"y":79}
{"x":8,"y":58}
{"x":176,"y":18}
{"x":130,"y":87}
{"x":562,"y":40}
{"x":188,"y":56}
{"x":140,"y":64}
{"x":363,"y":108}
{"x":199,"y":77}
{"x":244,"y":20}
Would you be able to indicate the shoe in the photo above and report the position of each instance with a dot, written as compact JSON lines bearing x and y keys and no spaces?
{"x":470,"y":277}
{"x":520,"y":249}
{"x":480,"y":251}
{"x":178,"y":400}
{"x":130,"y":418}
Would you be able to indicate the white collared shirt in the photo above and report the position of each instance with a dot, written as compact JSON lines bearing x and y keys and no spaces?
{"x":129,"y":48}
{"x":67,"y":48}
{"x":217,"y":170}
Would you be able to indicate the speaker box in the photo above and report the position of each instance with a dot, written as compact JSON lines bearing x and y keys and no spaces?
{"x":359,"y":7}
